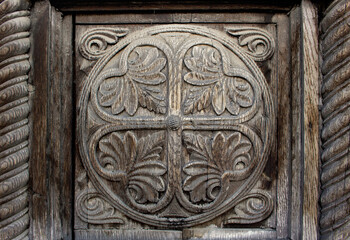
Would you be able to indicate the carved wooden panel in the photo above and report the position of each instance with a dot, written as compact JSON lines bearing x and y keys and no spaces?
{"x":206,"y":139}
{"x":175,"y":126}
{"x":335,"y":178}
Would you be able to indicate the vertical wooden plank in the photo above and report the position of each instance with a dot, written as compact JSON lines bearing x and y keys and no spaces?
{"x":52,"y":124}
{"x":296,"y":196}
{"x":311,"y":119}
{"x":60,"y":122}
{"x":67,"y":130}
{"x":38,"y":160}
{"x":283,"y":126}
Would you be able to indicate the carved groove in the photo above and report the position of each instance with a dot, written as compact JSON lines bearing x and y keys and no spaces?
{"x":14,"y":109}
{"x":335,"y":177}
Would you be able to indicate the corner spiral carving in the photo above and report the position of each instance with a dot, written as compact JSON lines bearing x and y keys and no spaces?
{"x":14,"y":109}
{"x":259,"y":43}
{"x":94,"y":43}
{"x":92,"y":207}
{"x":253,"y":208}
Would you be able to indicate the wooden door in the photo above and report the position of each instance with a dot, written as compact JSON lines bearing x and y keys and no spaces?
{"x":178,"y":124}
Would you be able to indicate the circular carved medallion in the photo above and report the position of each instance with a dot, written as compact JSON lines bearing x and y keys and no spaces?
{"x":175,"y":125}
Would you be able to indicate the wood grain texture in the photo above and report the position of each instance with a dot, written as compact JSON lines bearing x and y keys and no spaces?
{"x":51,"y":149}
{"x":182,"y":92}
{"x":311,"y":119}
{"x":335,"y":112}
{"x":14,"y":110}
{"x":295,"y":33}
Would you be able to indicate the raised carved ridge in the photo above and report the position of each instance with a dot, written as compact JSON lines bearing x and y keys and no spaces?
{"x":335,"y":176}
{"x":259,"y":43}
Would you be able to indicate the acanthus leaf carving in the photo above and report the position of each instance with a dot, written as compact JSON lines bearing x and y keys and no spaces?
{"x":92,"y":207}
{"x":138,"y":86}
{"x":259,"y":43}
{"x":252,"y":208}
{"x":197,"y":100}
{"x":94,"y":43}
{"x":136,"y":162}
{"x":213,"y":161}
{"x":229,"y":89}
{"x":156,"y":161}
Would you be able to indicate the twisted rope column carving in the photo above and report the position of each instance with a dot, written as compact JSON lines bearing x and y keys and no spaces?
{"x":335,"y":176}
{"x":14,"y":110}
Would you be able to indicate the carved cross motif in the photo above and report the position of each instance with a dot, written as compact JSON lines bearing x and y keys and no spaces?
{"x":167,"y":125}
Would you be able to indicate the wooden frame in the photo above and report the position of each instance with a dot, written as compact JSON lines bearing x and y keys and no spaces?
{"x":52,"y":127}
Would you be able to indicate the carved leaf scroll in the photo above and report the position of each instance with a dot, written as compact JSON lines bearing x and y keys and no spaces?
{"x":137,"y":162}
{"x":259,"y":43}
{"x":254,"y":207}
{"x":92,"y":207}
{"x":211,"y":160}
{"x":94,"y":43}
{"x":231,"y":90}
{"x":138,"y":86}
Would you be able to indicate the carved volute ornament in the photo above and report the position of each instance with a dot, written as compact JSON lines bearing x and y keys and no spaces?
{"x":176,"y":123}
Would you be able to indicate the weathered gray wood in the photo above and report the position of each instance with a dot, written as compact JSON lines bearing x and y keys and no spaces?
{"x":284,"y":126}
{"x":297,"y":145}
{"x":311,"y":85}
{"x":335,"y":177}
{"x":295,"y":95}
{"x":128,"y":235}
{"x":206,"y":5}
{"x":212,"y":233}
{"x":38,"y":161}
{"x":169,"y":101}
{"x":83,"y":18}
{"x":51,"y":159}
{"x":14,"y":110}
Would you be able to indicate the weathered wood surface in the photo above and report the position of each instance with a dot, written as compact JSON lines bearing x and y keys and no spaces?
{"x":335,"y":177}
{"x":297,"y":147}
{"x":310,"y":118}
{"x":14,"y":110}
{"x":176,"y":124}
{"x":128,"y":235}
{"x":52,"y":124}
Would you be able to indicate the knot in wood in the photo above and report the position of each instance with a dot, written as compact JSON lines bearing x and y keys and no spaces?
{"x":174,"y":122}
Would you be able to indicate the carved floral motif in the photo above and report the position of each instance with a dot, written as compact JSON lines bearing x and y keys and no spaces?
{"x":151,"y":151}
{"x":136,"y":162}
{"x":231,"y":91}
{"x":139,"y":85}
